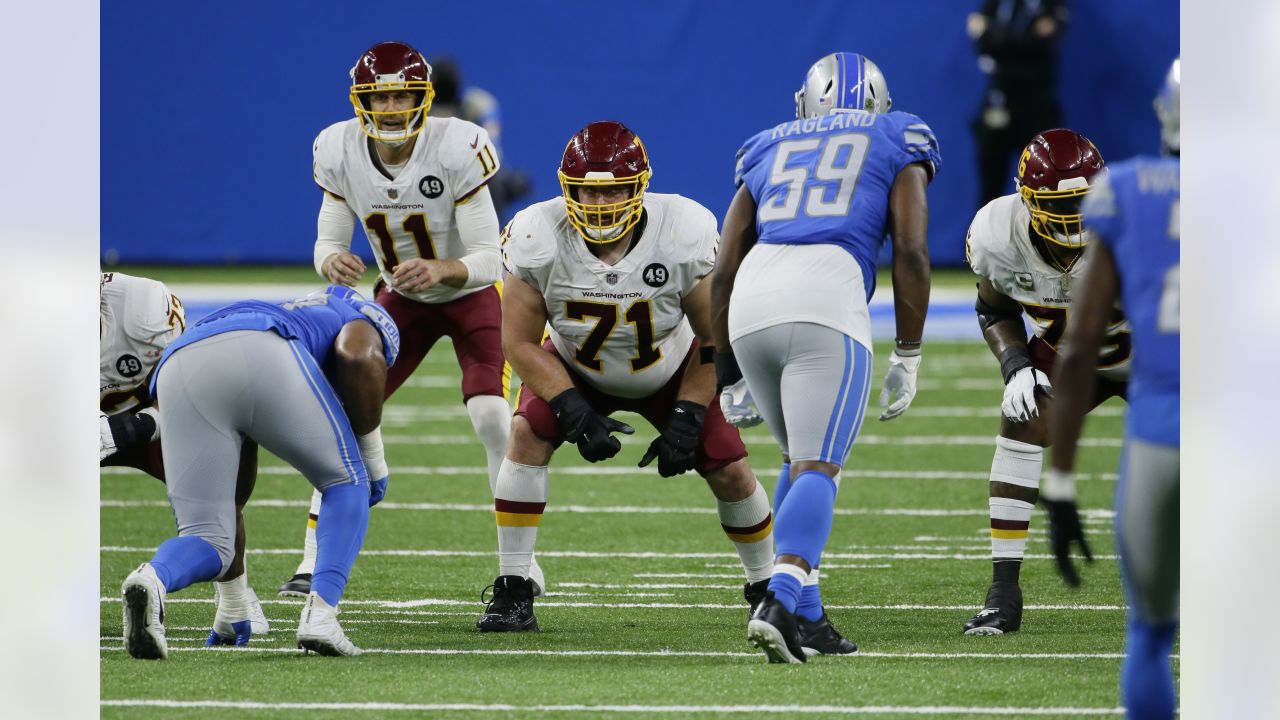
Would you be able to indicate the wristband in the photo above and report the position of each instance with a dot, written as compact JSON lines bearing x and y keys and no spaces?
{"x":375,"y":461}
{"x":1058,"y":485}
{"x":1013,"y":359}
{"x":727,"y":370}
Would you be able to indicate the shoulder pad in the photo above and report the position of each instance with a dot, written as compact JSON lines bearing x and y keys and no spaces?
{"x":529,"y":240}
{"x":326,"y":156}
{"x":150,"y":309}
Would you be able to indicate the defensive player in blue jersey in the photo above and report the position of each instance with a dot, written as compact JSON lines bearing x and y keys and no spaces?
{"x":816,"y":199}
{"x":305,"y":380}
{"x":1135,"y":215}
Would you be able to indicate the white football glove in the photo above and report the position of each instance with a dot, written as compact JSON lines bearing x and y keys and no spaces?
{"x":738,"y":406}
{"x":900,"y":381}
{"x":106,"y":441}
{"x":1020,"y":394}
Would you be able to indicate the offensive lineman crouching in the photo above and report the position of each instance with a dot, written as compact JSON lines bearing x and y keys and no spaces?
{"x":621,"y":277}
{"x":1028,"y":251}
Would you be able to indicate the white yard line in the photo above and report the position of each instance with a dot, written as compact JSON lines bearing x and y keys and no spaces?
{"x":638,"y":555}
{"x":784,"y":710}
{"x":648,"y":474}
{"x":451,"y":602}
{"x":605,"y":509}
{"x":757,"y":438}
{"x":628,"y":653}
{"x":406,"y":413}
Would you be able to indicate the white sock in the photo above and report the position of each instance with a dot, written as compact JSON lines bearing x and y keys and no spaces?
{"x":491,"y":419}
{"x":233,"y":598}
{"x":1015,"y":463}
{"x":749,"y":524}
{"x":520,"y":500}
{"x":308,"y":564}
{"x":794,"y":571}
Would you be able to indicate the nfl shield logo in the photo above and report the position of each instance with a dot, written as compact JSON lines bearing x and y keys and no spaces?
{"x":393,"y":193}
{"x":611,"y":278}
{"x":1024,"y":280}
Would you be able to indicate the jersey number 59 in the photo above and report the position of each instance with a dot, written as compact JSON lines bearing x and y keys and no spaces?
{"x":840,"y":161}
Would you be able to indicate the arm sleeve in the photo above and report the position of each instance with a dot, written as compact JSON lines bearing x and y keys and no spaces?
{"x":478,"y":228}
{"x":921,"y":145}
{"x":334,"y":227}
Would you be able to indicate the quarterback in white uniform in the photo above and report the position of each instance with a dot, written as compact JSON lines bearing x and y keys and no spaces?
{"x":621,"y":278}
{"x":138,"y":318}
{"x":418,"y":187}
{"x":1028,"y":251}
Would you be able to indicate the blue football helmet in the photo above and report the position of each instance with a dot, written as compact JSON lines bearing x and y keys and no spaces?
{"x":377,"y":314}
{"x":1166,"y":103}
{"x":843,"y":81}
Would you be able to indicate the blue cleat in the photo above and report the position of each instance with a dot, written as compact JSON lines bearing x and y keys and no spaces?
{"x":224,"y":633}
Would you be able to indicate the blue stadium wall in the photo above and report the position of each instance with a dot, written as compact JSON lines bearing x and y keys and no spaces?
{"x":209,"y":109}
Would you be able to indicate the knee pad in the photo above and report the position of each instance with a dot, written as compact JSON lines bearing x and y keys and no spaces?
{"x":490,"y":417}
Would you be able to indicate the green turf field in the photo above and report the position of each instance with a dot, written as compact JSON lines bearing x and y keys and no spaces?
{"x":645,"y":617}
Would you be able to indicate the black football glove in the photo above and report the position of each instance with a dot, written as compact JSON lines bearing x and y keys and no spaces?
{"x":1064,"y":529}
{"x":586,"y":428}
{"x":677,"y":447}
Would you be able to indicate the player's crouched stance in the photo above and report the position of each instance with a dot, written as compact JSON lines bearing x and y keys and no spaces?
{"x":138,"y":318}
{"x":1028,"y":250}
{"x":304,"y":379}
{"x":622,"y":279}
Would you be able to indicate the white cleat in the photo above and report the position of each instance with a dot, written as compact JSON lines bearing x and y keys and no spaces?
{"x":144,"y":614}
{"x":539,"y":580}
{"x":319,"y":631}
{"x":257,"y":618}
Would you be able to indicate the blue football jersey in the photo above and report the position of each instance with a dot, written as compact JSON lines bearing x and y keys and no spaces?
{"x":827,"y":179}
{"x":314,"y":321}
{"x":1134,"y":211}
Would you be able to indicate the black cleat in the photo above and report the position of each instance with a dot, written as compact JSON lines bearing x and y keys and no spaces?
{"x":510,"y":609}
{"x":754,"y":593}
{"x":820,"y":637}
{"x":773,"y":630}
{"x":1000,"y":614}
{"x":298,"y":586}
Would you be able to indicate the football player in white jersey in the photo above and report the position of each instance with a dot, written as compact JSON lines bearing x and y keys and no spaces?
{"x":418,"y":187}
{"x":1028,"y":249}
{"x":621,"y":278}
{"x":137,"y":319}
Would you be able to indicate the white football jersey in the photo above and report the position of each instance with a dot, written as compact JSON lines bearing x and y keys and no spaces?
{"x":999,"y":248}
{"x":411,"y":215}
{"x":138,"y":320}
{"x":622,"y":327}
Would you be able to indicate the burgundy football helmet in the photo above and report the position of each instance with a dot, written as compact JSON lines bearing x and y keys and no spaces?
{"x":1055,"y":172}
{"x":608,"y":157}
{"x":391,"y":66}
